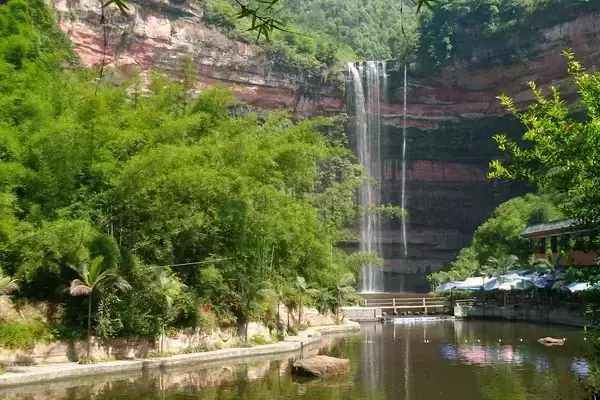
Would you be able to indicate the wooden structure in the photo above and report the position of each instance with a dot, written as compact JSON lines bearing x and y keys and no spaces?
{"x":556,"y":237}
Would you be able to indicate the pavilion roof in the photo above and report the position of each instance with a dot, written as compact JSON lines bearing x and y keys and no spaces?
{"x":553,"y":228}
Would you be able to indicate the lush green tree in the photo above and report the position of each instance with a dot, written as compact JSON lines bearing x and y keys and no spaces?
{"x":500,"y":235}
{"x":231,"y":203}
{"x":465,"y":265}
{"x":94,"y":276}
{"x":561,"y":148}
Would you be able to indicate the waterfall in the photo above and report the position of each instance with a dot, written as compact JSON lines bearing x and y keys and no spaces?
{"x":367,"y":100}
{"x":403,"y":190}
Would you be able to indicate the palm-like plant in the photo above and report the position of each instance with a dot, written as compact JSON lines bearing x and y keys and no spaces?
{"x":549,"y":264}
{"x":7,"y":285}
{"x":305,"y":292}
{"x":170,"y":288}
{"x":93,"y":276}
{"x":499,"y":266}
{"x":345,"y":287}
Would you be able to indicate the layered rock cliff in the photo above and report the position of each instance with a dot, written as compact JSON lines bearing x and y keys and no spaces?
{"x":452,"y":117}
{"x":160,"y":34}
{"x":452,"y":114}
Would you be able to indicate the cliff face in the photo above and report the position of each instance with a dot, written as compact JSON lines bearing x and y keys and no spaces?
{"x":452,"y":115}
{"x":451,"y":118}
{"x":161,"y":34}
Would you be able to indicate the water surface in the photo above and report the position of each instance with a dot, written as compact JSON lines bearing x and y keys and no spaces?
{"x":421,"y":361}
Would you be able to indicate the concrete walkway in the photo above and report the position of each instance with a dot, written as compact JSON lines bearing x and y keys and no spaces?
{"x":46,"y":372}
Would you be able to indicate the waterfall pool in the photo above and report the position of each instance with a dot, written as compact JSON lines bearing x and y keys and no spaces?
{"x":421,"y":361}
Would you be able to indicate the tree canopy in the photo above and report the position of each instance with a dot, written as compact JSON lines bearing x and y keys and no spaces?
{"x":560,"y":148}
{"x":194,"y":191}
{"x":500,"y":237}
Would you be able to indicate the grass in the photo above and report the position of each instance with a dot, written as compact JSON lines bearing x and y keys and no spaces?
{"x":23,"y":335}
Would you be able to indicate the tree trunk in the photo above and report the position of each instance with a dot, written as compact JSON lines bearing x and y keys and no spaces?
{"x":278,"y":318}
{"x":162,"y":337}
{"x":300,"y":312}
{"x":89,"y":327}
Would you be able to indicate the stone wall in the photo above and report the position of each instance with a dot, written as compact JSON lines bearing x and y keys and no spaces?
{"x":554,"y":316}
{"x":65,"y":351}
{"x":219,"y":338}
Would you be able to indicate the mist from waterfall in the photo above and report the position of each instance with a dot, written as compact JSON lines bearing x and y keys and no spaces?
{"x":367,"y":101}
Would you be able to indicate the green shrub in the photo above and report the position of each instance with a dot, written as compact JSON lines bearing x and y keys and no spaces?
{"x":242,"y":344}
{"x":158,"y":354}
{"x":2,"y":369}
{"x":258,"y":340}
{"x":207,"y":321}
{"x":303,"y":326}
{"x":292,"y":330}
{"x":201,"y":348}
{"x":87,"y":360}
{"x":64,"y":332}
{"x":24,"y":334}
{"x":276,"y":337}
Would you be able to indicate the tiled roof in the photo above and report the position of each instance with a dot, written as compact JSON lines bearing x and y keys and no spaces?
{"x":551,"y":226}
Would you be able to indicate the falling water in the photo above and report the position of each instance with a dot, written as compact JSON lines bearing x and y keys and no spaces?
{"x":368,"y":133}
{"x":403,"y":194}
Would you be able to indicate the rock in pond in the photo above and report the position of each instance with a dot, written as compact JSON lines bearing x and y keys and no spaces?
{"x":548,"y":341}
{"x":321,"y":366}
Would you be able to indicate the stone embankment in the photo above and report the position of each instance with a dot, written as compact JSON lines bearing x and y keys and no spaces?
{"x":50,"y":372}
{"x":560,"y":316}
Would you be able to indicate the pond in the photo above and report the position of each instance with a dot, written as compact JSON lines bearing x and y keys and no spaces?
{"x":421,"y":361}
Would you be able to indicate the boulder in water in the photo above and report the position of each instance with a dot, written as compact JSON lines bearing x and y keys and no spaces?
{"x":321,"y":366}
{"x":548,"y":341}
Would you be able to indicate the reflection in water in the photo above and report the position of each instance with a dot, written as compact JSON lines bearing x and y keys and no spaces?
{"x":485,"y":355}
{"x":373,"y":351}
{"x":580,"y":367}
{"x":445,"y":360}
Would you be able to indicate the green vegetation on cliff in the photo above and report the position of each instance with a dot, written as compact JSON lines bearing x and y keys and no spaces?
{"x":488,"y":31}
{"x":477,"y":31}
{"x":199,"y":211}
{"x":297,"y":48}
